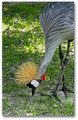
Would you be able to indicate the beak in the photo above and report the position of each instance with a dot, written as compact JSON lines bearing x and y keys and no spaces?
{"x":33,"y":90}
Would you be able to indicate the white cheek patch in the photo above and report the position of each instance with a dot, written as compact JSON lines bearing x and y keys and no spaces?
{"x":35,"y":83}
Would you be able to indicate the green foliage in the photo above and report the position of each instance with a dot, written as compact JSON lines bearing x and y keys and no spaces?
{"x":23,"y":40}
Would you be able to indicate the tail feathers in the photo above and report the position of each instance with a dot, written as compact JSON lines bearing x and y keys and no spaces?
{"x":26,"y":72}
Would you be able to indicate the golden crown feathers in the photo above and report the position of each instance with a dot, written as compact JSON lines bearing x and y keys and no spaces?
{"x":26,"y":73}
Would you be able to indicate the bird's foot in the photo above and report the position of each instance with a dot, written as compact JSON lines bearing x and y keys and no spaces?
{"x":54,"y":93}
{"x":66,"y":90}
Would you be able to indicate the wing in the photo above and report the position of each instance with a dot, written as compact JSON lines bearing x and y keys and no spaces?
{"x":57,"y":20}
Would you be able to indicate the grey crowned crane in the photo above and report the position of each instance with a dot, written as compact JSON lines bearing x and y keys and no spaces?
{"x":57,"y":21}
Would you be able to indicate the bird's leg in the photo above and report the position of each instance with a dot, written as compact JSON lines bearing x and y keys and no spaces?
{"x":64,"y":88}
{"x":62,"y":71}
{"x":63,"y":65}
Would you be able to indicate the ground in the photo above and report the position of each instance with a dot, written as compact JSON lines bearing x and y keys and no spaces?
{"x":22,"y":41}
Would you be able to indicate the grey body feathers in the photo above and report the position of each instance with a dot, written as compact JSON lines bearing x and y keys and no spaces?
{"x":57,"y":22}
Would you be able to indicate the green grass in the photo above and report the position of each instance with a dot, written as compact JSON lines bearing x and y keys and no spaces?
{"x":23,"y":40}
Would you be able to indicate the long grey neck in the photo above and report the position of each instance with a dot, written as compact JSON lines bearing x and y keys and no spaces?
{"x":48,"y":56}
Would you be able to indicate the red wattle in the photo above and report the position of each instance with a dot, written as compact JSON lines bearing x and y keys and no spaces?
{"x":43,"y":77}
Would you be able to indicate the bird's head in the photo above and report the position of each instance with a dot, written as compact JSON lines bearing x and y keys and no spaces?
{"x":35,"y":83}
{"x":27,"y":74}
